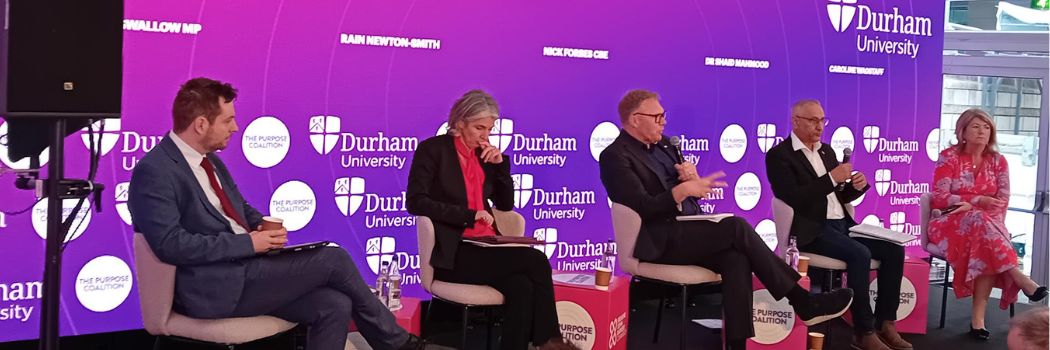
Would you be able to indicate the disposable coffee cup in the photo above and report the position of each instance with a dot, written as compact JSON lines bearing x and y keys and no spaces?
{"x":803,"y":265}
{"x":270,"y":223}
{"x":602,"y":276}
{"x":816,"y":341}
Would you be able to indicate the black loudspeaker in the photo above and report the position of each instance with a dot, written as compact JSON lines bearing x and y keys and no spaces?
{"x":61,"y":58}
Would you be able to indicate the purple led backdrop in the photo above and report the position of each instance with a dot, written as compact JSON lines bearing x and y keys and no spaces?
{"x":335,"y":95}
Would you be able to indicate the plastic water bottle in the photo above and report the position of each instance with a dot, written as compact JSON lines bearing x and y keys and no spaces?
{"x":609,"y":256}
{"x":603,"y":272}
{"x":393,"y":296}
{"x":382,"y":282}
{"x":791,"y":254}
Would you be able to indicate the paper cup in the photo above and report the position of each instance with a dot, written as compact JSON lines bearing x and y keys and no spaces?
{"x":803,"y":265}
{"x":816,"y":341}
{"x":270,"y":223}
{"x":602,"y":276}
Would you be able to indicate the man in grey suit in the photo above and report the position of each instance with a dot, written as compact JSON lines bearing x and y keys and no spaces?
{"x":186,"y":204}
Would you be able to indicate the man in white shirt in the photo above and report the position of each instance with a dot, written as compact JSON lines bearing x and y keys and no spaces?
{"x":187,"y":206}
{"x":805,"y":174}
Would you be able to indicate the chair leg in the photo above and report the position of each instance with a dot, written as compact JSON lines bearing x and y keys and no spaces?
{"x":488,"y":328}
{"x":659,"y":318}
{"x":1011,"y":310}
{"x":830,"y":282}
{"x":944,"y":294}
{"x":426,"y":319}
{"x":463,"y":336}
{"x":684,"y":323}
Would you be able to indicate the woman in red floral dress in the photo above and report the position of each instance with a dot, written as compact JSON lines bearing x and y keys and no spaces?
{"x":972,"y":185}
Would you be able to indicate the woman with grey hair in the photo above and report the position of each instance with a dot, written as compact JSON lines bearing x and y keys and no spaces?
{"x":452,"y":179}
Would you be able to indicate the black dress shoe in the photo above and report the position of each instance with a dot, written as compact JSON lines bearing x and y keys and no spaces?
{"x":1038,"y":295}
{"x":825,"y":306}
{"x":980,"y":333}
{"x":413,"y":343}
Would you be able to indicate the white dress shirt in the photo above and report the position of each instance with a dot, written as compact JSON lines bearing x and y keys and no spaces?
{"x":193,"y":159}
{"x":834,"y":207}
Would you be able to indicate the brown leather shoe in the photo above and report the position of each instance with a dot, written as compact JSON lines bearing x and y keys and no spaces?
{"x":868,"y":341}
{"x":888,"y":334}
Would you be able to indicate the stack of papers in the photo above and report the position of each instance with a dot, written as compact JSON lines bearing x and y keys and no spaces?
{"x":880,"y":233}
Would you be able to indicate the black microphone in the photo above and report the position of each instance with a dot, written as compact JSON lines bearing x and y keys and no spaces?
{"x":676,"y":142}
{"x":846,"y":154}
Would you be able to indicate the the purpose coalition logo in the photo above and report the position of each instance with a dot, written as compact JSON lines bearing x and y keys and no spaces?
{"x":584,"y":256}
{"x":603,"y":134}
{"x":896,"y":28}
{"x":80,"y":223}
{"x":933,"y":144}
{"x":748,"y":191}
{"x":733,"y":143}
{"x":383,"y":249}
{"x":909,"y":297}
{"x":360,"y":151}
{"x":842,"y":139}
{"x":773,"y":319}
{"x":380,"y":210}
{"x":560,"y":204}
{"x":265,"y":142}
{"x":576,"y":324}
{"x":767,"y":229}
{"x":901,"y":193}
{"x":293,"y":201}
{"x":103,"y":283}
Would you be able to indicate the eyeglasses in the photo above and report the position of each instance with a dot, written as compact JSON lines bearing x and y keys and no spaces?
{"x":658,"y":118}
{"x":823,"y":121}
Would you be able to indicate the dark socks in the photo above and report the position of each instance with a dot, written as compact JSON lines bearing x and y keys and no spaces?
{"x":735,"y":344}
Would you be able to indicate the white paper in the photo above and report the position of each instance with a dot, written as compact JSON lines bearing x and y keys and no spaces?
{"x":708,"y":217}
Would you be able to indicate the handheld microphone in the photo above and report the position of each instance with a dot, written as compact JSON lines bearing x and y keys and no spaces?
{"x":846,"y":154}
{"x":676,"y":142}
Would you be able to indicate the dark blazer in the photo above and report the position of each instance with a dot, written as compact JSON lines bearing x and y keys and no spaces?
{"x":436,"y":190}
{"x":630,"y":178}
{"x":169,"y":208}
{"x":795,"y":182}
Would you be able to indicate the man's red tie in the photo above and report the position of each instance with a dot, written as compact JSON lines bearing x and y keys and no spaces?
{"x":227,"y":207}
